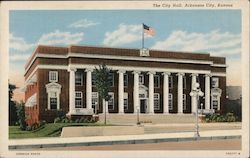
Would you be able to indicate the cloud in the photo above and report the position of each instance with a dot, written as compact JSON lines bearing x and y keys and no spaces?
{"x":214,"y":42}
{"x":19,"y":57}
{"x":83,"y":23}
{"x":21,"y":49}
{"x":124,"y":34}
{"x":60,"y":38}
{"x":19,"y":44}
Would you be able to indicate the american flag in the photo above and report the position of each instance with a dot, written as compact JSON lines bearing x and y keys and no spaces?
{"x":148,"y":30}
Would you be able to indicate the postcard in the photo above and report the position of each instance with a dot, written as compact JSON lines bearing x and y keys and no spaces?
{"x":125,"y":79}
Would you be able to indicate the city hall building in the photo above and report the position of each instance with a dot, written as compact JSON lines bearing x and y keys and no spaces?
{"x":62,"y":80}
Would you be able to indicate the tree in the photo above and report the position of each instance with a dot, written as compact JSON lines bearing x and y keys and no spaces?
{"x":21,"y":116}
{"x":12,"y":106}
{"x":102,"y":83}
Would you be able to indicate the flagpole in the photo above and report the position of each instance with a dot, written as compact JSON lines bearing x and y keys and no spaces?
{"x":142,"y":36}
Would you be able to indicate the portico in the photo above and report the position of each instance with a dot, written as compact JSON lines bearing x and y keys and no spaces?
{"x":144,"y":96}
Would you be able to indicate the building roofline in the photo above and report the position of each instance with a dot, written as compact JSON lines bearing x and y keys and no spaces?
{"x":65,"y":51}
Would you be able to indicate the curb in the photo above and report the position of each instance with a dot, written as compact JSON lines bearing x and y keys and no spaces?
{"x":137,"y":141}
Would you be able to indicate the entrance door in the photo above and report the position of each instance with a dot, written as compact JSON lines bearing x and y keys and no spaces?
{"x":143,"y":105}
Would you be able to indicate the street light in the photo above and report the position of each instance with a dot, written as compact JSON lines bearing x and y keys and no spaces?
{"x":196,"y":93}
{"x":138,"y":110}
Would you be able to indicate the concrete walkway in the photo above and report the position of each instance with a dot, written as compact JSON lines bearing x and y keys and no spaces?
{"x":128,"y":139}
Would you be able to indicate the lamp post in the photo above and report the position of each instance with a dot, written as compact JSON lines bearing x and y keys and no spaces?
{"x":196,"y":93}
{"x":138,"y":110}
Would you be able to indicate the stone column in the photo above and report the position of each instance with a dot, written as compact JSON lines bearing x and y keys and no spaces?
{"x":165,"y":92}
{"x":207,"y":91}
{"x":71,"y":89}
{"x":89,"y":88}
{"x":193,"y":99}
{"x":180,"y":92}
{"x":151,"y":92}
{"x":136,"y":90}
{"x":121,"y":91}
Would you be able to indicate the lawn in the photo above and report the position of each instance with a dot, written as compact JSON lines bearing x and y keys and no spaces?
{"x":48,"y":130}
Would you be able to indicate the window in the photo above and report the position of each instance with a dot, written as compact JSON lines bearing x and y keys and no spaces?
{"x":170,"y":81}
{"x":93,"y":79}
{"x":184,"y":102}
{"x":53,"y":76}
{"x":95,"y":99}
{"x":170,"y":101}
{"x":215,"y":82}
{"x":111,"y":78}
{"x":141,"y":79}
{"x":78,"y":100}
{"x":156,"y":81}
{"x":53,"y":100}
{"x":79,"y":79}
{"x":184,"y":82}
{"x":156,"y":101}
{"x":125,"y":101}
{"x":125,"y":80}
{"x":111,"y":101}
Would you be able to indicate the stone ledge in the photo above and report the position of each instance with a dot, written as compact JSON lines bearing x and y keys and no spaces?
{"x":134,"y":141}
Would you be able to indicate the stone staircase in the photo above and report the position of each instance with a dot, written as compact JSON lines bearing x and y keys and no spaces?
{"x":147,"y":118}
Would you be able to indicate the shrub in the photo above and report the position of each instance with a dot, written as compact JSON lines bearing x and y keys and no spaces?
{"x":77,"y":121}
{"x":229,"y":117}
{"x":28,"y":128}
{"x":57,"y":120}
{"x":42,"y":123}
{"x":65,"y":120}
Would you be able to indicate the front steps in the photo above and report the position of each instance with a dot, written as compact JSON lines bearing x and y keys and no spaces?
{"x":147,"y":118}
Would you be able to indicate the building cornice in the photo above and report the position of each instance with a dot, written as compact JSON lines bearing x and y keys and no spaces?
{"x":131,"y":58}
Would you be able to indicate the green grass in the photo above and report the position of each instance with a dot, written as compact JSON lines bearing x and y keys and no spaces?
{"x":48,"y":130}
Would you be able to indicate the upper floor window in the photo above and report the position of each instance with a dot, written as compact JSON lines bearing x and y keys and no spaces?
{"x":170,"y":82}
{"x":53,"y":76}
{"x":215,"y":82}
{"x":125,"y":80}
{"x":156,"y":81}
{"x":93,"y":79}
{"x":111,"y":78}
{"x":184,"y":82}
{"x":156,"y":101}
{"x":78,"y":100}
{"x":111,"y":105}
{"x":141,"y":79}
{"x":79,"y":79}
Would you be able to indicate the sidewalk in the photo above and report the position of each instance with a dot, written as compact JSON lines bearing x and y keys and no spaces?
{"x":128,"y":139}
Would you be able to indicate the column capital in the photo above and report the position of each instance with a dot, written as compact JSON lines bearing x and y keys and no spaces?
{"x":72,"y":69}
{"x":194,"y":74}
{"x":121,"y":71}
{"x":151,"y":72}
{"x":207,"y":75}
{"x":89,"y":70}
{"x":136,"y":72}
{"x":180,"y":74}
{"x":166,"y":73}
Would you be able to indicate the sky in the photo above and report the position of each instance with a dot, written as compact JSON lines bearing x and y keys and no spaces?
{"x":217,"y":32}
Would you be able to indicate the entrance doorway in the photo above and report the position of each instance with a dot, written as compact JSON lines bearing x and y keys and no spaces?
{"x":143,"y":105}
